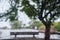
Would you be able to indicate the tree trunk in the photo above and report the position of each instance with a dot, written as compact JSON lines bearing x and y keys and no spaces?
{"x":47,"y":32}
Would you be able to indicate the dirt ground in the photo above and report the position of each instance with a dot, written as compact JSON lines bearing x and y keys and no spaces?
{"x":28,"y":39}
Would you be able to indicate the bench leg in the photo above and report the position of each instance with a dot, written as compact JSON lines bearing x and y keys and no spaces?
{"x":33,"y":36}
{"x":15,"y":37}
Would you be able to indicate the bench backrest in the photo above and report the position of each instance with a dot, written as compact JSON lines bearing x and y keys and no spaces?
{"x":24,"y":33}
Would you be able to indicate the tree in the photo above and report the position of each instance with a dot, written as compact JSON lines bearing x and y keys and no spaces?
{"x":46,"y":11}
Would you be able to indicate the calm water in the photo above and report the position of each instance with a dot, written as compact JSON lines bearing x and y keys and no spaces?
{"x":5,"y":34}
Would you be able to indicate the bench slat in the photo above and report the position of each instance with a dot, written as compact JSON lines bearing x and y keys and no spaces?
{"x":24,"y":33}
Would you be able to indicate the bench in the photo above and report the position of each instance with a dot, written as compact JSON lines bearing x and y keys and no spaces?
{"x":24,"y":33}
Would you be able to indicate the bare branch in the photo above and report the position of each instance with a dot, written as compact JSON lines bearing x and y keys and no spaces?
{"x":6,"y":14}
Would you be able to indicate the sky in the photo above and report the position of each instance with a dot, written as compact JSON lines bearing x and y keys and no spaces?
{"x":22,"y":16}
{"x":4,"y":6}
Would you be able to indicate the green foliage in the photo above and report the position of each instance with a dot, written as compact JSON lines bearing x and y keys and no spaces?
{"x":29,"y":11}
{"x":37,"y":23}
{"x":57,"y":26}
{"x":25,"y":2}
{"x":16,"y":25}
{"x":17,"y":1}
{"x":34,"y":24}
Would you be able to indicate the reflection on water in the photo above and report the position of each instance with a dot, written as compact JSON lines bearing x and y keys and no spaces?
{"x":5,"y":34}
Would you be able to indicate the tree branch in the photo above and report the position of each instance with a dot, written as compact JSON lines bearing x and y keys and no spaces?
{"x":52,"y":16}
{"x":40,"y":14}
{"x":6,"y":14}
{"x":54,"y":6}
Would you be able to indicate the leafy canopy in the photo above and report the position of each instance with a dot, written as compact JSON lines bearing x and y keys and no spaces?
{"x":45,"y":10}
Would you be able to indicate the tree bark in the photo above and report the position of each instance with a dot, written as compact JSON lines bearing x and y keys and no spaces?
{"x":47,"y":32}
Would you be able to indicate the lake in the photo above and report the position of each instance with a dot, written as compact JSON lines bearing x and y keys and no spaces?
{"x":5,"y":34}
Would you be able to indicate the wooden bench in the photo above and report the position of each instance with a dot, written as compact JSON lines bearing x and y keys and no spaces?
{"x":24,"y":33}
